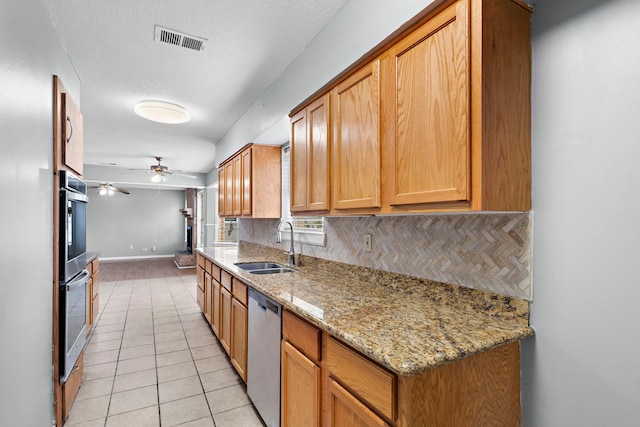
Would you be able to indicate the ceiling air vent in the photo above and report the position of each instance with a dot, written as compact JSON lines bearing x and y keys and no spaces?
{"x":178,"y":38}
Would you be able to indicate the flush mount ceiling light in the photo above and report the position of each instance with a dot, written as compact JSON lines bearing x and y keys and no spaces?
{"x":162,"y":112}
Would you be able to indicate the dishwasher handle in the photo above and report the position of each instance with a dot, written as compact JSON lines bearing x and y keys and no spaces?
{"x":265,"y":303}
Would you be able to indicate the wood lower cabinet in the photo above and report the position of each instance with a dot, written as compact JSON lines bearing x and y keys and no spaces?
{"x":326,"y":382}
{"x":355,"y":105}
{"x":71,"y":386}
{"x":208,"y":301}
{"x":301,"y":386}
{"x":215,"y":306}
{"x":225,"y":319}
{"x":93,"y":299}
{"x":345,"y":410}
{"x":224,"y":304}
{"x":238,"y":345}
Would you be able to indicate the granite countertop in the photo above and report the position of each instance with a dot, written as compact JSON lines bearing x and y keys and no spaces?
{"x":91,"y":256}
{"x":407,"y":325}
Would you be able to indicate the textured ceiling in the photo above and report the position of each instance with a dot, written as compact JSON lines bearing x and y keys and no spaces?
{"x":111,"y":45}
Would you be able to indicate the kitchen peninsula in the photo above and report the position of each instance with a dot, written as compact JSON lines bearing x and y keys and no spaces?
{"x":449,"y":354}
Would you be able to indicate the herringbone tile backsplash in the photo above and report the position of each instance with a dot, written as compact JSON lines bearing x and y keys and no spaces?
{"x":490,"y":252}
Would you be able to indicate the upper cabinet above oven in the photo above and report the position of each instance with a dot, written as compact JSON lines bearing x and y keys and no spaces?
{"x":72,"y":135}
{"x":68,"y":130}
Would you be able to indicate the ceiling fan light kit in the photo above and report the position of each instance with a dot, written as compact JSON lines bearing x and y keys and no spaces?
{"x":105,"y":189}
{"x":162,"y":112}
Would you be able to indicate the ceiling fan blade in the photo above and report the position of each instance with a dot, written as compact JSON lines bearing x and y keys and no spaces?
{"x":184,"y":174}
{"x":121,"y":190}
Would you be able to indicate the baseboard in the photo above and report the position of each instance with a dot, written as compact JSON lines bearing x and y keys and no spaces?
{"x":130,"y":258}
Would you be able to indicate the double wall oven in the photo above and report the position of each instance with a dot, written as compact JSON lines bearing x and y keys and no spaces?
{"x":73,"y":275}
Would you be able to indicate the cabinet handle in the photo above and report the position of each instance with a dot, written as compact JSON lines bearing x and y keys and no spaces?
{"x":71,"y":128}
{"x":75,"y":369}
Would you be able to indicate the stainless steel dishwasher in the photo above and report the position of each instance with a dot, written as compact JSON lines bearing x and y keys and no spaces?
{"x":263,"y":359}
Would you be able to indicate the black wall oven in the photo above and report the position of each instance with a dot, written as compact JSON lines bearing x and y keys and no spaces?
{"x":73,"y":225}
{"x":73,"y":275}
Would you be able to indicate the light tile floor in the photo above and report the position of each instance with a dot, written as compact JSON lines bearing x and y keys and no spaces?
{"x":152,"y":360}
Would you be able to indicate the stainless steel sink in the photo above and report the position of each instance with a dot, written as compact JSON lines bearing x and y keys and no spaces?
{"x":272,"y":271}
{"x":264,"y":267}
{"x":259,"y":265}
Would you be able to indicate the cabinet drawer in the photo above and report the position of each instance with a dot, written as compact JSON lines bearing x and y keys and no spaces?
{"x":94,"y":266}
{"x":302,"y":335}
{"x":207,"y":265}
{"x":200,"y":260}
{"x":240,"y":291}
{"x":70,"y":388}
{"x":369,"y":381}
{"x":225,"y":280}
{"x":215,"y":272}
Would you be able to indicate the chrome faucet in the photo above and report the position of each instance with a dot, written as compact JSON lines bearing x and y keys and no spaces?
{"x":291,"y":253}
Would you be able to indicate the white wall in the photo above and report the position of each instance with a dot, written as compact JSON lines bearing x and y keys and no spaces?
{"x":29,"y":56}
{"x":144,"y":219}
{"x":359,"y":26}
{"x":582,"y":367}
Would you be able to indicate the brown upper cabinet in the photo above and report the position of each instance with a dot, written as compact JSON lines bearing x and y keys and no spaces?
{"x":251,"y":183}
{"x":356,"y":140}
{"x":310,"y":161}
{"x":437,"y":117}
{"x":72,"y":129}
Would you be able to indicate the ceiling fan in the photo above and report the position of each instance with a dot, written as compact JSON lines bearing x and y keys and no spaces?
{"x":159,"y":172}
{"x":108,"y":189}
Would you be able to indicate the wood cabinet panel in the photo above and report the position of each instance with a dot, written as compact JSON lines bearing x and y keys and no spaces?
{"x":347,"y":411}
{"x":215,"y":307}
{"x":237,"y":186}
{"x":226,"y":280}
{"x":222,"y":187}
{"x":208,"y":308}
{"x":245,"y":163}
{"x":298,"y":161}
{"x":427,"y":111}
{"x":369,"y":381}
{"x":228,"y":189}
{"x":238,"y":345}
{"x":356,"y":140}
{"x":300,"y":389}
{"x":302,"y":335}
{"x":240,"y":291}
{"x":225,"y":319}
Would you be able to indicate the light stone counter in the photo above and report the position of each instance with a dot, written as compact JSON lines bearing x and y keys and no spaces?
{"x":406,"y":324}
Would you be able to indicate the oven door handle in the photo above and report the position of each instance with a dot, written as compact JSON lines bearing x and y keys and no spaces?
{"x":79,"y":280}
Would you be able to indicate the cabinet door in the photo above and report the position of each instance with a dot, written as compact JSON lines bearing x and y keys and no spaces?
{"x":215,"y":307}
{"x":221,"y":191}
{"x":228,"y":189}
{"x":299,"y":162}
{"x":237,"y":186}
{"x":72,"y":129}
{"x":239,"y":337}
{"x":225,"y":319}
{"x":246,"y":181}
{"x":300,"y":389}
{"x":347,"y":411}
{"x":207,"y":297}
{"x":318,"y":162}
{"x":356,"y":143}
{"x":427,"y":107}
